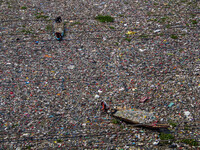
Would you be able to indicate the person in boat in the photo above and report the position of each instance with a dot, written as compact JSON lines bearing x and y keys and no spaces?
{"x":59,"y":28}
{"x":105,"y":106}
{"x":133,"y":116}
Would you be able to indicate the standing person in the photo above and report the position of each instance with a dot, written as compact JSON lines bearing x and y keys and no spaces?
{"x":59,"y":28}
{"x":105,"y":106}
{"x":58,"y":20}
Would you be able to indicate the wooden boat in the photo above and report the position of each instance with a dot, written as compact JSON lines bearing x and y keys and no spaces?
{"x":153,"y":125}
{"x":137,"y":117}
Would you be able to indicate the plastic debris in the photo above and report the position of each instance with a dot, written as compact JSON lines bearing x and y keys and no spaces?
{"x":97,"y":96}
{"x":52,"y":90}
{"x":71,"y":67}
{"x":171,"y":104}
{"x":130,"y":32}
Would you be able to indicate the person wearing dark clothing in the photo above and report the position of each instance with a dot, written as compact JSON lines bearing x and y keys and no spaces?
{"x":58,"y":20}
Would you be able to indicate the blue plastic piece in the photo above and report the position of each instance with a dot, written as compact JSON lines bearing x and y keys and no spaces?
{"x":171,"y":104}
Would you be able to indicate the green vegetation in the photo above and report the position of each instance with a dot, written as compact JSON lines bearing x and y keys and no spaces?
{"x":193,"y":15}
{"x":167,"y":6}
{"x":23,"y":7}
{"x":194,"y":21}
{"x":121,"y":126}
{"x":155,"y":4}
{"x":168,"y":26}
{"x":111,"y":27}
{"x":181,"y":50}
{"x":8,"y":3}
{"x":187,"y":127}
{"x":116,"y":43}
{"x":28,"y":147}
{"x":173,"y":36}
{"x":160,"y":34}
{"x":26,"y":31}
{"x":115,"y":121}
{"x":48,"y":27}
{"x":121,"y":15}
{"x":183,"y":1}
{"x":65,"y":22}
{"x":162,"y":19}
{"x":164,"y":136}
{"x":102,"y":18}
{"x":143,"y":36}
{"x":40,"y":15}
{"x":149,"y":13}
{"x":183,"y":34}
{"x":155,"y":19}
{"x":167,"y":138}
{"x":190,"y":142}
{"x":15,"y":125}
{"x":59,"y":140}
{"x":127,"y":39}
{"x":173,"y":124}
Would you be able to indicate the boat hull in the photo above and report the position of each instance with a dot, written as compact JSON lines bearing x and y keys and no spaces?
{"x":138,"y":124}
